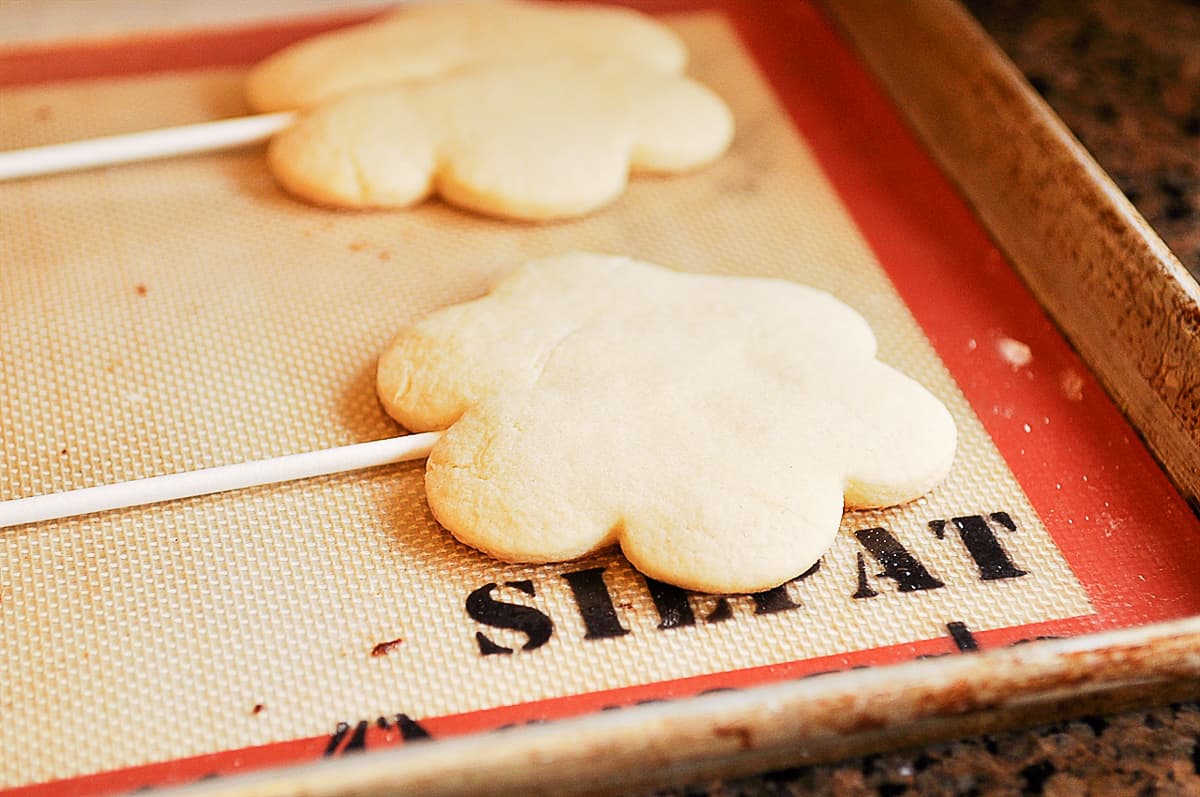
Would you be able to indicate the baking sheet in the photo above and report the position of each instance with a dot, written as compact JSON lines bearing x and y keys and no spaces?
{"x":168,"y":316}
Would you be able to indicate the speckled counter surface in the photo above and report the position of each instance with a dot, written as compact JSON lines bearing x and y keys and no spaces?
{"x":1125,"y":77}
{"x":1152,"y":752}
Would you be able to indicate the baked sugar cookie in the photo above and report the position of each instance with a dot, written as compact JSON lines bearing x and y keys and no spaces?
{"x":713,"y":427}
{"x":540,"y":141}
{"x":423,"y":40}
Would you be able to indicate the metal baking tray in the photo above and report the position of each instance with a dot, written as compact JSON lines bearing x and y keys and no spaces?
{"x":240,"y":645}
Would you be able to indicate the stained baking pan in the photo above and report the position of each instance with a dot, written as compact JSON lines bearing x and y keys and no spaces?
{"x":328,"y":637}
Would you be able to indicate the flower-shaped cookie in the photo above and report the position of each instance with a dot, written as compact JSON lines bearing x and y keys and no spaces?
{"x":712,"y":426}
{"x":523,"y":141}
{"x":423,"y":40}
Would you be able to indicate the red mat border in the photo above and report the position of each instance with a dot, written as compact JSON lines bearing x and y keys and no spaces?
{"x":955,"y":282}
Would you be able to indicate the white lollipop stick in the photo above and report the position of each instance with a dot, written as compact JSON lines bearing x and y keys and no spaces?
{"x":147,"y":145}
{"x":215,"y":480}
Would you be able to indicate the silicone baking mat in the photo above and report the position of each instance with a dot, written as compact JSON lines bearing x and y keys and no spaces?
{"x":174,"y":315}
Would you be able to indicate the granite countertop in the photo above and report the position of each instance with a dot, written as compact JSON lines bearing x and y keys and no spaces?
{"x":1125,"y":77}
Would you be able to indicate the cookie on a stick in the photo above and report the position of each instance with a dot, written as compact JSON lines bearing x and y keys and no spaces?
{"x":714,"y":427}
{"x":416,"y":42}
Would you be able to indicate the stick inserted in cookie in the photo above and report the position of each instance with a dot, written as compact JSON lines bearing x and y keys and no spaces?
{"x":142,"y":146}
{"x":222,"y":478}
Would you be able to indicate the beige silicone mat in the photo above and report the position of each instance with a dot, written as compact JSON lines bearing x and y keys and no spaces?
{"x":168,"y":316}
